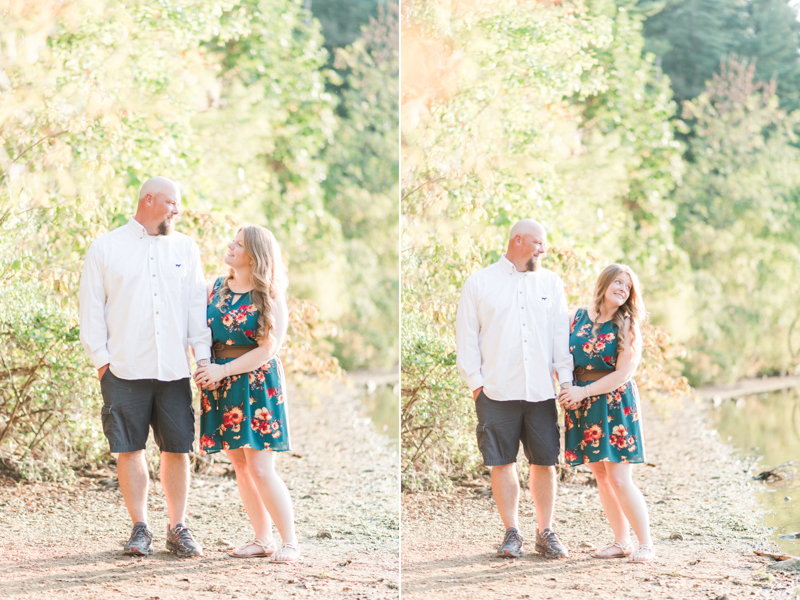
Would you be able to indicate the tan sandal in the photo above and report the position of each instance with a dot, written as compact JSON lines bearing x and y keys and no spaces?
{"x":267,"y":549}
{"x":643,"y":548}
{"x":295,"y":548}
{"x":622,"y":551}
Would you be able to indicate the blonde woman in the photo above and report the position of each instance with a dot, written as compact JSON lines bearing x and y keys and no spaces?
{"x":602,"y":426}
{"x":243,"y":411}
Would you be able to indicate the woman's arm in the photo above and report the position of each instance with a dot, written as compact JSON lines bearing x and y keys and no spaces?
{"x":266,"y":351}
{"x":627,"y":363}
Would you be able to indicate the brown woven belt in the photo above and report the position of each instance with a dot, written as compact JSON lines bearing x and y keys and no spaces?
{"x":582,"y":374}
{"x":220,"y":350}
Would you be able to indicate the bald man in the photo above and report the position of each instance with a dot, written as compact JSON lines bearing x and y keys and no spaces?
{"x":142,"y":303}
{"x":512,"y":332}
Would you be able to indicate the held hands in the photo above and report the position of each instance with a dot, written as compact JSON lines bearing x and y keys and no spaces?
{"x":571,"y":397}
{"x":209,"y":376}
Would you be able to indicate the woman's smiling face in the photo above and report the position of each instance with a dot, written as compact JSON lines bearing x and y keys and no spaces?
{"x":236,"y":257}
{"x":619,"y":290}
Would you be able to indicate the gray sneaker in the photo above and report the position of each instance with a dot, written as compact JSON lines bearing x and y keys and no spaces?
{"x":547,"y":543}
{"x":512,"y":544}
{"x":141,"y":541}
{"x":181,"y":541}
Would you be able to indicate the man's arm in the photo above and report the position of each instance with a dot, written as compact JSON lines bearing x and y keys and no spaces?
{"x":92,"y":298}
{"x":199,"y":335}
{"x":562,"y":359}
{"x":468,"y":351}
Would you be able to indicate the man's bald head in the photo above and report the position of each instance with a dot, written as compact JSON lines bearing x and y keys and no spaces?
{"x":526,"y":227}
{"x":158,"y":185}
{"x":159,"y":205}
{"x":526,"y":244}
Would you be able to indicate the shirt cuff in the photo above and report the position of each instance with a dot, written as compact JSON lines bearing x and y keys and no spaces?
{"x":201,"y":351}
{"x":100,"y":358}
{"x":475,"y":381}
{"x":565,"y":375}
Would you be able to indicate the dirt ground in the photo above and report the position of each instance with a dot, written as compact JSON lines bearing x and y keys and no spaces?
{"x":704,"y":521}
{"x":66,"y":540}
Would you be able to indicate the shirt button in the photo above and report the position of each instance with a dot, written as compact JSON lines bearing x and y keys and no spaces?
{"x":154,"y":274}
{"x":156,"y":312}
{"x":151,"y":258}
{"x":155,"y":294}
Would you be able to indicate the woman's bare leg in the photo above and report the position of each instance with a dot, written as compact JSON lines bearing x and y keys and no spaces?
{"x":631,"y":500}
{"x":273,"y":491}
{"x":251,"y":500}
{"x":608,"y":498}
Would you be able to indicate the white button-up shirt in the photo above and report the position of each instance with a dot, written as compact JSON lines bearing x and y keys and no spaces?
{"x":142,"y":302}
{"x":512,"y":332}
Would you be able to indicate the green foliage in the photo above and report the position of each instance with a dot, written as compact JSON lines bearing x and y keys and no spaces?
{"x":342,"y":20}
{"x":693,"y":37}
{"x":548,"y":113}
{"x":361,"y":189}
{"x":737,"y":220}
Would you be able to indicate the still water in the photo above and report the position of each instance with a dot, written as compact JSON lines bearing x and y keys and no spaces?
{"x":766,"y":427}
{"x":383,"y":407}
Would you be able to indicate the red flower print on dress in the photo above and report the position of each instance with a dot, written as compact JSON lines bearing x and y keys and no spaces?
{"x":568,"y":421}
{"x":592,"y":435}
{"x":206,"y":441}
{"x":233,"y":418}
{"x":569,"y":455}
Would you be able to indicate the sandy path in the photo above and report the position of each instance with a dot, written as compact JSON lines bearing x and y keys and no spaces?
{"x":63,"y":540}
{"x":704,"y":522}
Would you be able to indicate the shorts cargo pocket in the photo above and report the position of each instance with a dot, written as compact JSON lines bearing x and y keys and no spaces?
{"x":483,"y":437}
{"x":107,"y":417}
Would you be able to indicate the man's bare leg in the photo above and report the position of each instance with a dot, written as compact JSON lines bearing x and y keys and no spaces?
{"x":505,"y":489}
{"x":133,"y":483}
{"x":543,"y":491}
{"x":175,"y":479}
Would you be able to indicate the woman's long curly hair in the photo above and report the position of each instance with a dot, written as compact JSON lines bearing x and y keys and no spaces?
{"x":633,"y":308}
{"x":267,"y":275}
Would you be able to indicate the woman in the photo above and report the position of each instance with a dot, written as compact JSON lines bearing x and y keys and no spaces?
{"x":244,"y":414}
{"x":602,"y":422}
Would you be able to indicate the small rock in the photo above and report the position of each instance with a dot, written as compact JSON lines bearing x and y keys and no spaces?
{"x":793,"y":564}
{"x":787,"y":499}
{"x":789,"y":536}
{"x":676,"y":535}
{"x":723,"y":597}
{"x":324,"y":533}
{"x":587,"y":545}
{"x":225,"y":544}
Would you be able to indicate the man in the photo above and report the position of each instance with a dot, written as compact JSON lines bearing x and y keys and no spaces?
{"x":512,"y":333}
{"x":142,"y":300}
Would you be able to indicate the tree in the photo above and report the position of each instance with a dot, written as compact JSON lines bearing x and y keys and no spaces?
{"x":692,"y":37}
{"x":737,"y":220}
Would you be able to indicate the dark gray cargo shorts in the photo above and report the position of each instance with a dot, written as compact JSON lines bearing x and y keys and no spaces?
{"x":132,"y":406}
{"x":503,"y":424}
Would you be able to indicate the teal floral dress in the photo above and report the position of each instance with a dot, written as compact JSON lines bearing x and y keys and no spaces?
{"x":604,"y":427}
{"x":246,"y":410}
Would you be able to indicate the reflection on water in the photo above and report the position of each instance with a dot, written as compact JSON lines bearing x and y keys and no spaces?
{"x":767,"y":427}
{"x":383,"y":406}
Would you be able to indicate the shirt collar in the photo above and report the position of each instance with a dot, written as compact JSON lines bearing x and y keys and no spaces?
{"x":137,"y":228}
{"x":509,"y":267}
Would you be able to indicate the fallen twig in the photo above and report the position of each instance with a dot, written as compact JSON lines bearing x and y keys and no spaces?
{"x":773,"y":555}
